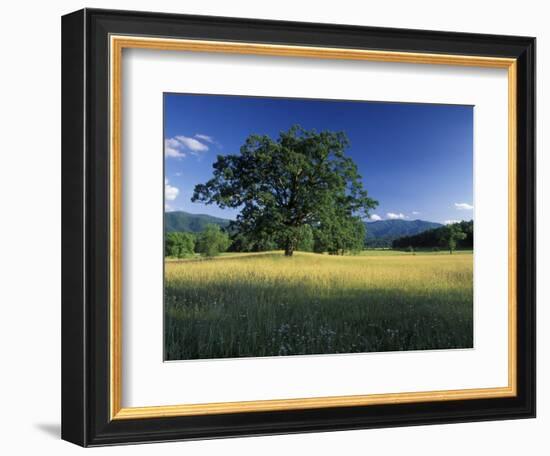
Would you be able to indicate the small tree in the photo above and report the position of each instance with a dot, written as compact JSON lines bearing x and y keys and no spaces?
{"x":212,"y":241}
{"x":339,"y":235}
{"x":451,"y":235}
{"x":179,"y":244}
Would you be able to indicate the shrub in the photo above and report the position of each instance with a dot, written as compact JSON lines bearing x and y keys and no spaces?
{"x":179,"y":244}
{"x":212,"y":241}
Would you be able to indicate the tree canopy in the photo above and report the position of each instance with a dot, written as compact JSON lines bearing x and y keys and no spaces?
{"x":450,"y":235}
{"x":212,"y":241}
{"x":303,"y":178}
{"x":179,"y":244}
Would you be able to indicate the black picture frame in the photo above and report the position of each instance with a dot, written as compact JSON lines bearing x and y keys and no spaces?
{"x":85,"y":227}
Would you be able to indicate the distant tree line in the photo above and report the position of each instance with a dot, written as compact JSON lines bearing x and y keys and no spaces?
{"x":210,"y":242}
{"x":382,"y":243}
{"x":454,"y":236}
{"x":335,"y":238}
{"x":338,"y":240}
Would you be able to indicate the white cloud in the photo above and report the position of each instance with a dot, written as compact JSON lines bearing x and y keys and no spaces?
{"x":450,"y":222}
{"x":206,"y":138}
{"x":173,"y":148}
{"x":375,"y":217}
{"x":463,"y":206}
{"x":170,"y":192}
{"x":394,"y":216}
{"x":192,"y":144}
{"x":179,"y":146}
{"x":415,"y":213}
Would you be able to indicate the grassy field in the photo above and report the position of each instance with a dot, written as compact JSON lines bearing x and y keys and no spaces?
{"x":267,"y":304}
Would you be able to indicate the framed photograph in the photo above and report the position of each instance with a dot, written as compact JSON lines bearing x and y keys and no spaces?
{"x":278,"y":227}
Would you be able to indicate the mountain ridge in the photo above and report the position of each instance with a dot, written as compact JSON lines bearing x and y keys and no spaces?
{"x":379,"y":233}
{"x":194,"y":223}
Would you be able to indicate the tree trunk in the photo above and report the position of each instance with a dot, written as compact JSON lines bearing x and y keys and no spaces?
{"x":289,"y":247}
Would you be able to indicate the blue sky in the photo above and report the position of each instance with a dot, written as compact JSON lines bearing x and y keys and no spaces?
{"x":415,"y":159}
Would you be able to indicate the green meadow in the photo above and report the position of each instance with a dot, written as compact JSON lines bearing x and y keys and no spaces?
{"x":266,"y":304}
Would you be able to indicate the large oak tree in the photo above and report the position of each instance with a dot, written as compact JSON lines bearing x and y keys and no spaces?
{"x":280,"y":186}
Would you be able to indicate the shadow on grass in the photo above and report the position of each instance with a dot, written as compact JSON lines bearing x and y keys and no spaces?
{"x":241,"y":319}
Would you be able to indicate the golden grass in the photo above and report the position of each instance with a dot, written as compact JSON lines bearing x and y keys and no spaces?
{"x":267,"y":304}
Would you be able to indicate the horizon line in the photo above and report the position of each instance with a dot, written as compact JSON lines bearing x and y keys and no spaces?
{"x":365,"y":221}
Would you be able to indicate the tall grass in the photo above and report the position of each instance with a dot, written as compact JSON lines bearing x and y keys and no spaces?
{"x":269,"y":305}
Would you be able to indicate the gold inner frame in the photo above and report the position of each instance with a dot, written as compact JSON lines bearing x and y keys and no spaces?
{"x":117,"y":44}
